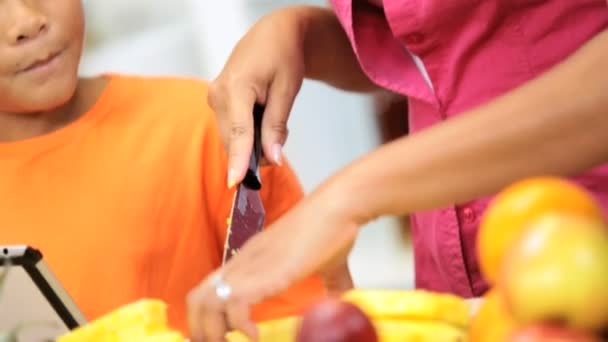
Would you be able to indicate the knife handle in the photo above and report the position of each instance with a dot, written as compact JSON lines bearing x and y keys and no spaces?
{"x":252,"y":177}
{"x":258,"y":113}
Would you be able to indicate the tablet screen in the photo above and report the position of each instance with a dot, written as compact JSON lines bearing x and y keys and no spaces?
{"x":22,"y":303}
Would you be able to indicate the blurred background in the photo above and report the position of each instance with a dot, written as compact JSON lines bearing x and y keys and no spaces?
{"x":329,"y":128}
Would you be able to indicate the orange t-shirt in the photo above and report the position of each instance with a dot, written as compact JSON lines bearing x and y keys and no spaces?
{"x":130,"y":201}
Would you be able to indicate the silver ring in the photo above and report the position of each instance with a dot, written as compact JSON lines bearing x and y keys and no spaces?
{"x":222,"y":289}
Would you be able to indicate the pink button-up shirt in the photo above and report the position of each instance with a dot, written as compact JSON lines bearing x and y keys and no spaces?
{"x":448,"y":56}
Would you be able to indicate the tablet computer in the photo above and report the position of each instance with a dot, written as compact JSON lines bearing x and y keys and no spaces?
{"x":32,"y":298}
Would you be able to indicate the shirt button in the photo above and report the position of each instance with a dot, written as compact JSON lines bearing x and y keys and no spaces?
{"x":469,"y":215}
{"x":414,"y":38}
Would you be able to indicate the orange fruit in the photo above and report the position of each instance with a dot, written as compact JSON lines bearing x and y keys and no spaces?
{"x":517,"y":205}
{"x":492,"y":322}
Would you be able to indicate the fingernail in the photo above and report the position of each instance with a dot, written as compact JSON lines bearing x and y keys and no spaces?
{"x":277,"y":154}
{"x":231,"y":177}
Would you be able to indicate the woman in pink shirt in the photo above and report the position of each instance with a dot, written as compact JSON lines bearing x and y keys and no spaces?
{"x":498,"y":90}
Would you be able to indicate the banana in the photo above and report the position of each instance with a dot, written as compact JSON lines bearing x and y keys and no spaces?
{"x":418,"y":331}
{"x":411,"y":305}
{"x":280,"y":330}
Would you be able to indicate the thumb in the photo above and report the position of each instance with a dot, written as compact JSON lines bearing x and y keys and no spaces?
{"x":240,"y":143}
{"x":274,"y":124}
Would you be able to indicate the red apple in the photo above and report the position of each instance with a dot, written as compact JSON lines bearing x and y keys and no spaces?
{"x":558,"y":272}
{"x":334,"y":320}
{"x":552,"y":333}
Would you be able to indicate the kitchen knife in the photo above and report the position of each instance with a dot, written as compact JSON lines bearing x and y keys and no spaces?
{"x":247,"y":213}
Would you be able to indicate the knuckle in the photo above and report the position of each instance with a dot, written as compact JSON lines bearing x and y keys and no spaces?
{"x":215,"y":93}
{"x":285,"y":93}
{"x":292,"y":88}
{"x":214,"y":305}
{"x":193,"y":299}
{"x":238,"y":130}
{"x":280,"y":127}
{"x":234,"y":153}
{"x":290,"y":82}
{"x":237,"y":298}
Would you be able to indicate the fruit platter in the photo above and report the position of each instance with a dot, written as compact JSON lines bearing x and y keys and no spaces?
{"x":542,"y":246}
{"x":374,"y":315}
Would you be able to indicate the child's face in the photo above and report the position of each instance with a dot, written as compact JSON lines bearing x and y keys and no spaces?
{"x":40,"y":47}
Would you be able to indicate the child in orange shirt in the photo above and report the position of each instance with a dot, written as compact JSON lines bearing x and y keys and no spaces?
{"x":118,"y":180}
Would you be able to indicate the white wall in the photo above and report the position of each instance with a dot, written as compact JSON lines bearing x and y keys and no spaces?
{"x":329,"y":128}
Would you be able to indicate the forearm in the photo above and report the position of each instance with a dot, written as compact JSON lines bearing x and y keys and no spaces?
{"x":556,"y":124}
{"x":328,"y":54}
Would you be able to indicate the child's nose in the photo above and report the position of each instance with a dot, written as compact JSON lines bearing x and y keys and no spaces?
{"x":29,"y":23}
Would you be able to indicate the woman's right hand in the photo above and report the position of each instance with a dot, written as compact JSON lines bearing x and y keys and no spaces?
{"x":266,"y":66}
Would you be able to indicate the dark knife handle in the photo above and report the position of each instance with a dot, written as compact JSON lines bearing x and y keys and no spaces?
{"x":252,"y":177}
{"x":258,"y":113}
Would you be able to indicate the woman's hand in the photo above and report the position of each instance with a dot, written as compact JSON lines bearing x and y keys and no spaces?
{"x":312,"y":237}
{"x":267,"y":67}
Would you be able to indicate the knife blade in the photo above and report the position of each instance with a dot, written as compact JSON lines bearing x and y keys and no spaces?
{"x":247,"y":214}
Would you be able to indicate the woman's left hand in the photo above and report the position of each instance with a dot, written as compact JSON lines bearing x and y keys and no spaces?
{"x":312,"y":237}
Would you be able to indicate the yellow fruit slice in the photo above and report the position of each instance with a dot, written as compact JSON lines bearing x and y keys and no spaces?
{"x":283,"y":330}
{"x":411,"y":305}
{"x":418,"y":331}
{"x":89,"y":333}
{"x":147,"y":315}
{"x":169,"y":336}
{"x":133,"y":322}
